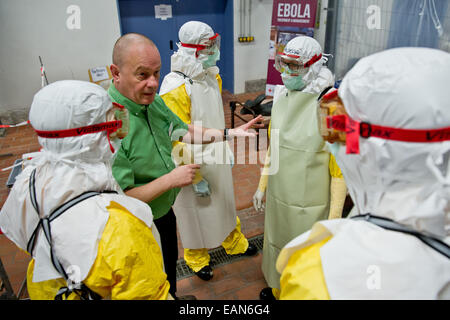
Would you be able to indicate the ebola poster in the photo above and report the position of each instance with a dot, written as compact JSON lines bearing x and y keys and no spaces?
{"x":290,"y":18}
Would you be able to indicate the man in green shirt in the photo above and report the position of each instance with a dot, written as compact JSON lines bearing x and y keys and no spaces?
{"x":144,"y":167}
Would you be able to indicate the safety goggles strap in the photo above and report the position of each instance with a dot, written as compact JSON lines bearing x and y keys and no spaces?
{"x":214,"y":36}
{"x":313,"y":60}
{"x":355,"y":129}
{"x":110,"y":127}
{"x":197,"y":47}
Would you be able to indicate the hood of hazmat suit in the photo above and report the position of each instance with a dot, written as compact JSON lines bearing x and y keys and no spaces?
{"x":66,"y":168}
{"x":307,"y":52}
{"x":407,"y":182}
{"x":193,"y":92}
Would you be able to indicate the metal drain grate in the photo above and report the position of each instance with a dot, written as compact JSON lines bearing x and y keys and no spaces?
{"x":218,"y":258}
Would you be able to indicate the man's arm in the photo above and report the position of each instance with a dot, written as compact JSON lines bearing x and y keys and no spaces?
{"x":177,"y":178}
{"x":200,"y":135}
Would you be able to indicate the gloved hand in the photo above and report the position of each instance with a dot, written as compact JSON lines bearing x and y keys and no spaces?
{"x":257,"y":200}
{"x":201,"y":189}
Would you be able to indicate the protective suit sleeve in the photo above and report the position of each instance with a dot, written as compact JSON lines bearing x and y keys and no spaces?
{"x":131,"y":264}
{"x":303,"y":278}
{"x":219,"y":82}
{"x":128,"y":265}
{"x":264,"y":176}
{"x":179,"y":102}
{"x":338,"y":190}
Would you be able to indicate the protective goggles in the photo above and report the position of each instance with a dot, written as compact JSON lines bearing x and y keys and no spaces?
{"x":292,"y":64}
{"x":337,"y":127}
{"x":116,"y":126}
{"x":206,"y":46}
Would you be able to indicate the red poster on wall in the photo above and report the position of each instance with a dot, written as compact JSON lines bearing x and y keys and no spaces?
{"x":290,"y":19}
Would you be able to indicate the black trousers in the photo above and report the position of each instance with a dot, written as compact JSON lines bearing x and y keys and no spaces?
{"x":167,"y":228}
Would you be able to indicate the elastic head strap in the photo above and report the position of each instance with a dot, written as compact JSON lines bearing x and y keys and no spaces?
{"x":355,"y":129}
{"x":198,"y":47}
{"x":313,"y":60}
{"x":214,"y":36}
{"x":109,"y":127}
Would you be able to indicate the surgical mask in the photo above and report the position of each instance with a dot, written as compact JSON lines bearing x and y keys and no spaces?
{"x":209,"y":61}
{"x":293,"y":82}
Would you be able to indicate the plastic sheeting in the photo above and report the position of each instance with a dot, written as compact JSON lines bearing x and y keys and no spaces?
{"x":417,"y":23}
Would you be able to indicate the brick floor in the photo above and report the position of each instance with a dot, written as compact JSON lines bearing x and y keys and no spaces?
{"x":240,"y":280}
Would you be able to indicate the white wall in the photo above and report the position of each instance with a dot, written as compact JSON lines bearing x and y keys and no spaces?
{"x":31,"y":28}
{"x":250,"y":59}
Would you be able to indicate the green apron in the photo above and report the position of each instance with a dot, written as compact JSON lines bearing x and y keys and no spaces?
{"x":298,"y":194}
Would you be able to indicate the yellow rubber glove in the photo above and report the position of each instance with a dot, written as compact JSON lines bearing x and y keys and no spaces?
{"x":183,"y":156}
{"x":259,"y":194}
{"x":338,"y":190}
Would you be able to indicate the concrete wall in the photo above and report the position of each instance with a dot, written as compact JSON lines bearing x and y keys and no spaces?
{"x":70,"y":41}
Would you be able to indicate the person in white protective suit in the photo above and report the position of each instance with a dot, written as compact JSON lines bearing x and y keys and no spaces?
{"x":390,"y":125}
{"x":206,"y":210}
{"x":86,"y":238}
{"x":308,"y":185}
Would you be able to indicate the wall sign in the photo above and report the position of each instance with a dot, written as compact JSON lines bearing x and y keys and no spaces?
{"x":163,"y":11}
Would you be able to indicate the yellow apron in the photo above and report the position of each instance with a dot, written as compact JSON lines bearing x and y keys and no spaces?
{"x":298,"y":194}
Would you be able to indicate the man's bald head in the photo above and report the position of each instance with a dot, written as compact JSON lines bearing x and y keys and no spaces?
{"x":136,"y":68}
{"x":127,"y":42}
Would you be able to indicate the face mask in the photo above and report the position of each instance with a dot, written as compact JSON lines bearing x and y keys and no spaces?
{"x":209,"y":61}
{"x":293,"y":83}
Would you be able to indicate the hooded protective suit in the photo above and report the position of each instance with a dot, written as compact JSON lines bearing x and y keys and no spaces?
{"x":107,"y":242}
{"x":193,"y":92}
{"x":406,"y":182}
{"x":298,"y":194}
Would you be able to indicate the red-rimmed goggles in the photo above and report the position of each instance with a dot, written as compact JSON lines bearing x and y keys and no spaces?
{"x":337,"y":126}
{"x":208,"y":46}
{"x":292,"y":64}
{"x":116,"y":126}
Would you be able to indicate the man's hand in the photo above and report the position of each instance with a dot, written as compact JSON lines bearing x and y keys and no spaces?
{"x":201,"y":135}
{"x":183,"y":175}
{"x":242,"y":131}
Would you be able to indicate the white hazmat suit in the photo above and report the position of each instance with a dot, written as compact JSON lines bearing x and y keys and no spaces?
{"x":193,"y":91}
{"x":406,"y":182}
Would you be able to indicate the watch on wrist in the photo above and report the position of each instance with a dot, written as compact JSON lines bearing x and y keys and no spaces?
{"x":225,"y":134}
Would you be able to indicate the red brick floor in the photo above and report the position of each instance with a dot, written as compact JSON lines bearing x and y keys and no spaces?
{"x":240,"y":280}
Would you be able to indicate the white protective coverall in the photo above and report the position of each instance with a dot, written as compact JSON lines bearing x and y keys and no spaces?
{"x":298,"y":194}
{"x":108,"y":241}
{"x":407,"y":182}
{"x":195,"y":96}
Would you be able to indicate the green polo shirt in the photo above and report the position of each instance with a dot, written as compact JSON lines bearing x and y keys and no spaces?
{"x":145,"y":153}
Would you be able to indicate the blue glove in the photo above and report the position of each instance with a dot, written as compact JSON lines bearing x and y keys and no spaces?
{"x":201,"y":189}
